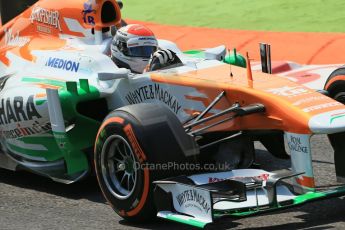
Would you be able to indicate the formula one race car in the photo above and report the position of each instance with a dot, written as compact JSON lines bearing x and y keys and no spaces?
{"x":175,"y":142}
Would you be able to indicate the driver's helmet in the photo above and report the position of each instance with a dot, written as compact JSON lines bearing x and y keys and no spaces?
{"x":132,"y":47}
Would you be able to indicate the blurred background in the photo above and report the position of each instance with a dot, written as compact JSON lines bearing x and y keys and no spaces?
{"x":10,"y":8}
{"x":272,"y":15}
{"x":303,"y":31}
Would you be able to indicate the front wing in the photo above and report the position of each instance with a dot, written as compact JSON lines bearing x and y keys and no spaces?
{"x":201,"y":199}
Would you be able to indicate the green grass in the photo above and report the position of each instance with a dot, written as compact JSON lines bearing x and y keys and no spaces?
{"x":273,"y":15}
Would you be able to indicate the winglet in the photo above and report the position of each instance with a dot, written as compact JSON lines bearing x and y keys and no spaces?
{"x":249,"y":68}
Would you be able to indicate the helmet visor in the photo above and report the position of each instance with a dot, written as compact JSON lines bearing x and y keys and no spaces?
{"x":141,"y":51}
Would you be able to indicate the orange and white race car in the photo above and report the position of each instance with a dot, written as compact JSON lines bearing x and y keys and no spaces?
{"x":175,"y":142}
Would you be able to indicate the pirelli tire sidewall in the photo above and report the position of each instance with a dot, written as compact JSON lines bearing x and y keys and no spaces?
{"x":142,"y":195}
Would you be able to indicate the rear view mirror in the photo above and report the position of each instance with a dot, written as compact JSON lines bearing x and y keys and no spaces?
{"x":216,"y":53}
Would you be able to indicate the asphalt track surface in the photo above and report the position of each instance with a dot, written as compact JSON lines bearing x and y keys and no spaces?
{"x":32,"y":202}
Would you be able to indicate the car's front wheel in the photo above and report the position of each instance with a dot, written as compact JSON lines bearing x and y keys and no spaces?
{"x":335,"y":85}
{"x":131,"y":147}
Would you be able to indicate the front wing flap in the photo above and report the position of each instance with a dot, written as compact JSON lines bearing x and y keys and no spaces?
{"x":200,"y":199}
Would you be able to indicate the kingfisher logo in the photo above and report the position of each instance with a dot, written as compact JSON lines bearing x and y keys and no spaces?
{"x":47,"y":17}
{"x":66,"y":65}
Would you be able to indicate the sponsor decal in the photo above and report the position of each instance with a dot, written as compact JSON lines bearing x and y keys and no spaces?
{"x":59,"y":63}
{"x":20,"y":131}
{"x":309,"y":99}
{"x":44,"y":29}
{"x":287,"y":91}
{"x":16,"y":111}
{"x":311,"y":74}
{"x":262,"y":177}
{"x":192,"y":198}
{"x":336,"y":116}
{"x":15,"y":39}
{"x":301,"y":161}
{"x":88,"y":19}
{"x":147,"y":38}
{"x":295,"y":144}
{"x":47,"y":17}
{"x":304,"y":76}
{"x":321,"y":106}
{"x":153,"y":92}
{"x":137,"y":149}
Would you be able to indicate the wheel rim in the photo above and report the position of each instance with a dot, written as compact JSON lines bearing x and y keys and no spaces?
{"x":118,"y":165}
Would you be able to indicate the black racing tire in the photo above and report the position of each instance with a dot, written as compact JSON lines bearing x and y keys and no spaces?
{"x":335,"y":85}
{"x":139,"y":135}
